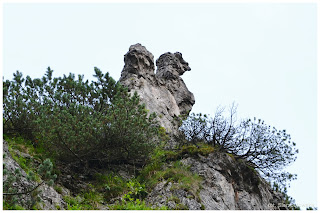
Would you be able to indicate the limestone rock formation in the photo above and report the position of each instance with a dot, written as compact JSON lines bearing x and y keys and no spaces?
{"x":163,"y":92}
{"x":227,"y":185}
{"x":222,"y":182}
{"x":50,"y":198}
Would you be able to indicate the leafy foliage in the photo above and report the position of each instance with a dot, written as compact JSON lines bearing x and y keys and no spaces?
{"x":136,"y":191}
{"x":77,"y":120}
{"x":110,"y":185}
{"x":76,"y":203}
{"x":264,"y":148}
{"x":134,"y":198}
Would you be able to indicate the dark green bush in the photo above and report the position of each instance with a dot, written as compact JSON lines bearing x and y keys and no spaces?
{"x":77,"y":120}
{"x":110,"y":185}
{"x":263,"y":148}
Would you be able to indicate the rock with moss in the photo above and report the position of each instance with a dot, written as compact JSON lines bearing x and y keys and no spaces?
{"x":41,"y":196}
{"x":173,"y":196}
{"x":219,"y":182}
{"x":229,"y":184}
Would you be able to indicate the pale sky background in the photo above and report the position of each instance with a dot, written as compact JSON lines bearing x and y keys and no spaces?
{"x":260,"y":55}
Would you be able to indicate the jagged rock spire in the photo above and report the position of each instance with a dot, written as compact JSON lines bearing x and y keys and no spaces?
{"x":164,"y":93}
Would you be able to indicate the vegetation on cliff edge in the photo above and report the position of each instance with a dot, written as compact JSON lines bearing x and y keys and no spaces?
{"x":99,"y":123}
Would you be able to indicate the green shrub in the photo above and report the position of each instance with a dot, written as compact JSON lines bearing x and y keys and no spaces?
{"x":58,"y":189}
{"x":156,"y":161}
{"x":110,"y":185}
{"x":264,"y":147}
{"x":181,"y":206}
{"x":8,"y":206}
{"x":74,"y":203}
{"x":77,"y":120}
{"x":136,"y":190}
{"x":86,"y":201}
{"x":133,"y":199}
{"x":92,"y":199}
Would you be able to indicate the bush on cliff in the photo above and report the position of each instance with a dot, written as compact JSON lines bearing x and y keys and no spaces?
{"x":79,"y":121}
{"x":263,"y":148}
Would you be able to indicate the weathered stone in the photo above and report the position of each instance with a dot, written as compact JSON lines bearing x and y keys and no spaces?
{"x":50,"y":199}
{"x":226,"y":185}
{"x":138,"y":61}
{"x":164,"y":93}
{"x":164,"y":192}
{"x":23,"y":155}
{"x":169,"y":69}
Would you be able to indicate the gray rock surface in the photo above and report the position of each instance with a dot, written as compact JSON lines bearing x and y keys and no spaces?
{"x":168,"y":194}
{"x":50,"y":199}
{"x":164,"y":93}
{"x":226,"y":185}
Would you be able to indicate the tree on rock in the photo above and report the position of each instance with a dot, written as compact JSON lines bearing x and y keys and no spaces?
{"x":263,"y":147}
{"x":79,"y":121}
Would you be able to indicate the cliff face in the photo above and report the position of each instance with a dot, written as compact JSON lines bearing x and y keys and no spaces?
{"x":163,"y":92}
{"x":226,"y":184}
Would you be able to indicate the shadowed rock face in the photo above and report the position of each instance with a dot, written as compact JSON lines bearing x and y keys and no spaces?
{"x":164,"y":93}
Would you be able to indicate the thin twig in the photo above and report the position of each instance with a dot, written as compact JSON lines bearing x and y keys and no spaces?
{"x":27,"y":192}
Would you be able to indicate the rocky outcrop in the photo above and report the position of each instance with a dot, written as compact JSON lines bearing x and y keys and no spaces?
{"x":50,"y":199}
{"x":220,"y":183}
{"x":226,"y":185}
{"x":163,"y":92}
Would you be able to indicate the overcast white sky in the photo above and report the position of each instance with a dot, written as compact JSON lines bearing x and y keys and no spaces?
{"x":262,"y":56}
